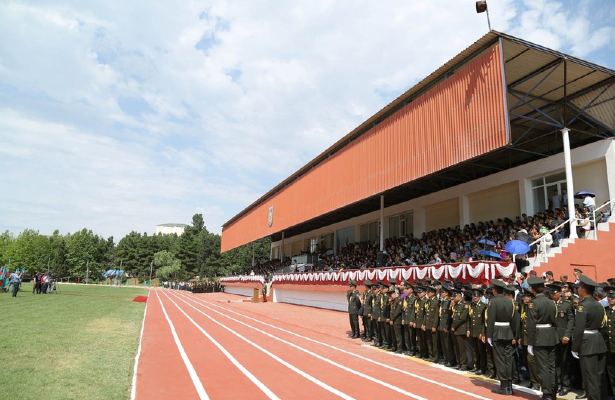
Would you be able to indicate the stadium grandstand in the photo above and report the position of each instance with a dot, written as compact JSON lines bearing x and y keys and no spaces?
{"x":507,"y":140}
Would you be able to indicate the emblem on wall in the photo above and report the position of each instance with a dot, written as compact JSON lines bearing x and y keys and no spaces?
{"x":270,"y":217}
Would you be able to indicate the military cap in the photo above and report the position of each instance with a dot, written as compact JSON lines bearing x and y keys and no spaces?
{"x":611,"y":281}
{"x":420,"y":289}
{"x":353,"y":282}
{"x":510,"y":288}
{"x":556,"y":286}
{"x":367,"y":283}
{"x":584,"y":280}
{"x":498,"y":283}
{"x":610,"y":291}
{"x":431,"y":289}
{"x":406,"y":283}
{"x":448,"y":289}
{"x":535,"y":281}
{"x":477,"y":293}
{"x":527,"y":293}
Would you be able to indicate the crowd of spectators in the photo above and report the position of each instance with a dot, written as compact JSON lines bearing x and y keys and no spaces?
{"x":448,"y":245}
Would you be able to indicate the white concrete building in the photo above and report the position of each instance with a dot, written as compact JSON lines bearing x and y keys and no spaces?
{"x":169,"y":229}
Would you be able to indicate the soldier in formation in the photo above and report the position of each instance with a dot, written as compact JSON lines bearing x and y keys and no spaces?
{"x":555,"y":335}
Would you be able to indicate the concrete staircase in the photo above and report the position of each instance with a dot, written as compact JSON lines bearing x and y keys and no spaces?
{"x":594,"y":255}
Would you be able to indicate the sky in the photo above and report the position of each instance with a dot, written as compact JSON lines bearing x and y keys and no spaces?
{"x":118,"y":116}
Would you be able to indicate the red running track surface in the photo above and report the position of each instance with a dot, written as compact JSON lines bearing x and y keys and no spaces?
{"x":239,"y":350}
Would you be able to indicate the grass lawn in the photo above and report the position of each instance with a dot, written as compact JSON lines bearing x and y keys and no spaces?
{"x":79,"y":343}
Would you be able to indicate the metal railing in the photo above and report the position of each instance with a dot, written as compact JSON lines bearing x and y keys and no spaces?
{"x":541,"y":244}
{"x":609,"y":203}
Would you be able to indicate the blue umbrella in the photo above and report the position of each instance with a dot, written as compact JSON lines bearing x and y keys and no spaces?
{"x":517,"y":247}
{"x":583,"y":194}
{"x":489,"y":253}
{"x":487,"y":242}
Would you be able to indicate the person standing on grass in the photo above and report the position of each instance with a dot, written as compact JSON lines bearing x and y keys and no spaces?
{"x":15,"y":281}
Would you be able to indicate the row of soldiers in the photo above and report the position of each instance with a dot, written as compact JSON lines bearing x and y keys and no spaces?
{"x":500,"y":331}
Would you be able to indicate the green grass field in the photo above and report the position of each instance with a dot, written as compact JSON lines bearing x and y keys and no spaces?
{"x":79,"y":343}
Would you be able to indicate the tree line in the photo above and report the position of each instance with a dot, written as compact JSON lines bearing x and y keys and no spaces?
{"x":194,"y":253}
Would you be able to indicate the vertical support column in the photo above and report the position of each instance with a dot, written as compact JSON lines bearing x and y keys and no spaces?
{"x":569,"y":183}
{"x":464,"y":210}
{"x":335,"y":242}
{"x":419,"y":223}
{"x":526,"y":204}
{"x":609,"y":158}
{"x":381,"y":222}
{"x":282,"y":248}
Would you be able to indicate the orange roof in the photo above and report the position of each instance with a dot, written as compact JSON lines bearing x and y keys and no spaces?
{"x":457,"y":118}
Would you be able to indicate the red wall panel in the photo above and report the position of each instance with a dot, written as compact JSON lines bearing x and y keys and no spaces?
{"x":459,"y":118}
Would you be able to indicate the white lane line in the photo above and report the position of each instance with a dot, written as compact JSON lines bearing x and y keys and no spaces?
{"x":198,"y":385}
{"x":278,"y":359}
{"x":133,"y":389}
{"x":318,"y":356}
{"x":228,"y":355}
{"x":444,"y":385}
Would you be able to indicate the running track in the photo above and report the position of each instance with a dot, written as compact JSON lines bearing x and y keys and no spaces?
{"x":215,"y":346}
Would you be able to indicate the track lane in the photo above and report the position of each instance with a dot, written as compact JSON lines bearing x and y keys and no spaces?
{"x":214,"y":369}
{"x":157,"y":349}
{"x":350,"y":379}
{"x":274,"y":370}
{"x":447,"y":381}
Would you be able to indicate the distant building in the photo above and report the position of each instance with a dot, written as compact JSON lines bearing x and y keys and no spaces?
{"x":169,"y":229}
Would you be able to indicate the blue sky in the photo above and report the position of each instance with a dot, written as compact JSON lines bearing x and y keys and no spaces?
{"x":118,"y":116}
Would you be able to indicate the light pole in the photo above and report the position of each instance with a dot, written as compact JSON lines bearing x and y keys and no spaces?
{"x":481,"y":7}
{"x":151,"y":269}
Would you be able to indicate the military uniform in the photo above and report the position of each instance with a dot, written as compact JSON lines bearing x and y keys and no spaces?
{"x":376,"y":317}
{"x":587,"y":343}
{"x":564,"y":323}
{"x":408,"y":318}
{"x":432,"y":310}
{"x":476,"y":328}
{"x":354,"y":307}
{"x":396,"y":317}
{"x":530,"y":359}
{"x":444,"y":327}
{"x":386,"y":316}
{"x":459,"y":327}
{"x":501,"y":331}
{"x":367,"y":310}
{"x":419,"y":308}
{"x":542,"y":338}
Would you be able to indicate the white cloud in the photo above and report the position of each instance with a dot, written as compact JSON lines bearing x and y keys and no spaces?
{"x":119,"y":116}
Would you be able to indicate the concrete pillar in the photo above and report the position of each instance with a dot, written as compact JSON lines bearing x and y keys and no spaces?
{"x":464,"y":210}
{"x":419,"y":221}
{"x":526,"y":201}
{"x":569,"y":183}
{"x":610,"y":169}
{"x":334,"y":242}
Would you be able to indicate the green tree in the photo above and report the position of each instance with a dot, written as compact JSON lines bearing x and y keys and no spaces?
{"x":57,"y":254}
{"x":85,"y":250}
{"x":167,"y":266}
{"x":30,"y":250}
{"x":5,"y":242}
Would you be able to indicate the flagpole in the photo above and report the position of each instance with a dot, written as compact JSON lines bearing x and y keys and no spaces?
{"x":87,"y":271}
